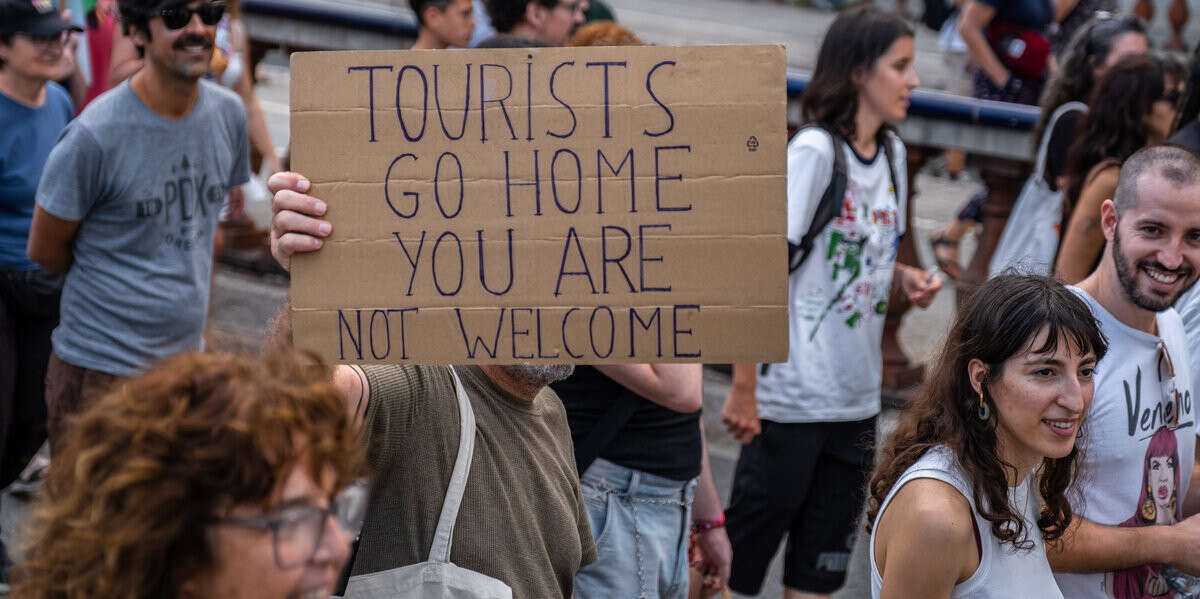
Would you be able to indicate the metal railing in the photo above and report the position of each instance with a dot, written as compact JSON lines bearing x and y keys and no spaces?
{"x":936,"y":119}
{"x":950,"y":107}
{"x":338,"y":14}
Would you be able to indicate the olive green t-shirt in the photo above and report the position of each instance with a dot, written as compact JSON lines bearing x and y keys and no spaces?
{"x":522,"y":520}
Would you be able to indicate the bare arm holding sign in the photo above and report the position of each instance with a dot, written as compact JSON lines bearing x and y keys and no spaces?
{"x":297,"y":227}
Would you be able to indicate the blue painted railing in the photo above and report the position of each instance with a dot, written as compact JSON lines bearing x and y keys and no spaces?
{"x":338,"y":15}
{"x":925,"y":103}
{"x":949,"y":107}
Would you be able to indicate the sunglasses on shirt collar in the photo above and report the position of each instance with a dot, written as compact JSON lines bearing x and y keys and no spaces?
{"x":178,"y":16}
{"x":1169,"y":390}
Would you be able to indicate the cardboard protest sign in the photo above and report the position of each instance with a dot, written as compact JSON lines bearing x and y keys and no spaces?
{"x":587,"y":205}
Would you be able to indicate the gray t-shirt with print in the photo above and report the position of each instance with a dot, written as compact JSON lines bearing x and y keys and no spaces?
{"x":146,"y":192}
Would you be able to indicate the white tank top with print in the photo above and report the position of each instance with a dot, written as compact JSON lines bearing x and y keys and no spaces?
{"x":1004,"y":572}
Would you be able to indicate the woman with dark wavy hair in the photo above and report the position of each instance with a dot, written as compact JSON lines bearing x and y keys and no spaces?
{"x":1132,"y":107}
{"x":808,"y":424}
{"x":1094,"y":49}
{"x":210,"y":476}
{"x":974,"y":480}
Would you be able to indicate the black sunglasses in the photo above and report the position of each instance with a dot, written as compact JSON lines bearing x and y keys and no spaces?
{"x":177,"y":17}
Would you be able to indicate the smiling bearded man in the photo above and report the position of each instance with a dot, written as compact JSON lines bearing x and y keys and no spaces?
{"x":127,"y":208}
{"x":1126,"y":543}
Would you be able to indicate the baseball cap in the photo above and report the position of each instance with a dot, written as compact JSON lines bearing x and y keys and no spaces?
{"x":32,"y":17}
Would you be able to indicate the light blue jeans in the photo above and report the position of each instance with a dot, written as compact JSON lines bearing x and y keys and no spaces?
{"x":640,"y":522}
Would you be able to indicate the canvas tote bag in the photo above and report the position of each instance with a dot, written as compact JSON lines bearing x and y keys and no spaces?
{"x":437,"y":578}
{"x":1029,"y":241}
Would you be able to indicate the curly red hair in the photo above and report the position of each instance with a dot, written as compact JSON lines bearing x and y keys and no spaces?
{"x":604,"y":33}
{"x":145,"y":469}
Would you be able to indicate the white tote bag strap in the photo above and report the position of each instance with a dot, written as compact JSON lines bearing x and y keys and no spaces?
{"x":1039,"y":167}
{"x":440,"y":552}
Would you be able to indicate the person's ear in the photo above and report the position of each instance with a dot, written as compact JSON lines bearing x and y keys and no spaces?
{"x":1108,"y":219}
{"x":535,"y":13}
{"x":977,"y":371}
{"x":432,"y":17}
{"x":140,"y":36}
{"x":858,"y":76}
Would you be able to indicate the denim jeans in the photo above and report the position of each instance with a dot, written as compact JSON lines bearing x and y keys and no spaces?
{"x":640,"y":522}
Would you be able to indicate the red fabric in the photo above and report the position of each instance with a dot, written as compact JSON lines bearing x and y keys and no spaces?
{"x":100,"y":41}
{"x":1025,"y":51}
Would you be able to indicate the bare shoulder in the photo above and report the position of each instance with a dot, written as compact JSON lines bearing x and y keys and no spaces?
{"x":929,"y":521}
{"x":1101,"y":181}
{"x":933,"y":510}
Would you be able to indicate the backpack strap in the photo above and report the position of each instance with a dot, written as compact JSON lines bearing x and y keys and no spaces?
{"x":829,"y":205}
{"x":831,"y":201}
{"x":890,"y":155}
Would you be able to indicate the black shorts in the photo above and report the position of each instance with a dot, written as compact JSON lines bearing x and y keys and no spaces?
{"x":807,"y":480}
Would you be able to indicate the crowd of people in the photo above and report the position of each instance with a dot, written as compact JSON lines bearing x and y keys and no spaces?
{"x":1049,"y":453}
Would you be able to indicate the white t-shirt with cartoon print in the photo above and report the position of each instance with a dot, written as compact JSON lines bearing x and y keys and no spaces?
{"x":1138,"y":446}
{"x":1188,"y":306}
{"x":838,"y":298}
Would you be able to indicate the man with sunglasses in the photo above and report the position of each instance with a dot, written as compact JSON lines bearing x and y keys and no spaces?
{"x":549,"y":22}
{"x":127,"y":208}
{"x":1143,"y":393}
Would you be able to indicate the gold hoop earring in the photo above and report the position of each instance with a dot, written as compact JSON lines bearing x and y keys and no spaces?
{"x":984,"y":412}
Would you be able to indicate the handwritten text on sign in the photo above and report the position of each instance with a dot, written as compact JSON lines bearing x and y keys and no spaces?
{"x":554,"y":205}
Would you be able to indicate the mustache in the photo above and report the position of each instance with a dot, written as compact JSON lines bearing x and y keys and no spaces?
{"x":192,"y":40}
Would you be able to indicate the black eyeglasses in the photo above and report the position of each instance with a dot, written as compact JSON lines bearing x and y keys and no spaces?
{"x":573,"y":7}
{"x":297,"y":532}
{"x":177,"y":17}
{"x":1171,"y":96}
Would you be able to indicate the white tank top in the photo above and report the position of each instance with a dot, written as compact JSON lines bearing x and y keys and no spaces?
{"x":1004,"y":572}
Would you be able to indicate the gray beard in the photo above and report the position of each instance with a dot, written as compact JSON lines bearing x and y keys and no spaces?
{"x":538,"y":375}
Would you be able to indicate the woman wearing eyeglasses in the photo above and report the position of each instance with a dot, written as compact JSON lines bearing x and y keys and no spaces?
{"x":210,"y":476}
{"x":1132,"y":107}
{"x":974,"y":481}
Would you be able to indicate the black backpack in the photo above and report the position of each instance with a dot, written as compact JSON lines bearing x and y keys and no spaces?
{"x":831,"y":201}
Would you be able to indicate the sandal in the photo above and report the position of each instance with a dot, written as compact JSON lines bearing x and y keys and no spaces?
{"x":945,"y":252}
